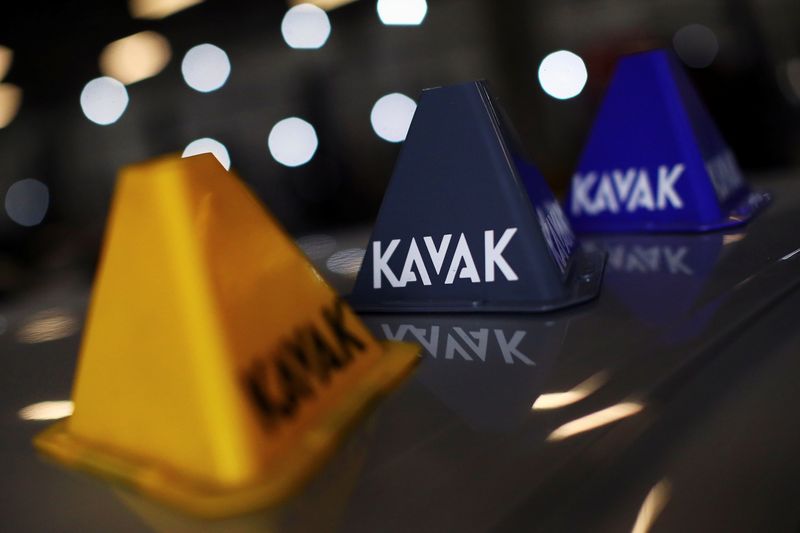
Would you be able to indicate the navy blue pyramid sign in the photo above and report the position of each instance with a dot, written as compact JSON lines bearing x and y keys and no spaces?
{"x":467,"y":223}
{"x":655,"y":161}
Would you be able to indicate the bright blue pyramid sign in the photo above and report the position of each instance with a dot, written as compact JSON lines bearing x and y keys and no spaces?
{"x":467,"y":223}
{"x":655,"y":161}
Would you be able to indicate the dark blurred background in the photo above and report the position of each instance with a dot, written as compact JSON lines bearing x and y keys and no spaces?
{"x":63,"y":136}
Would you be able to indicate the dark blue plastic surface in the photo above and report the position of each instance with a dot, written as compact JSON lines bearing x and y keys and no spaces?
{"x":655,"y":161}
{"x":461,"y":173}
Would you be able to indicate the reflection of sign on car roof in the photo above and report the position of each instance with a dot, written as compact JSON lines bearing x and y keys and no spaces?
{"x":467,"y":223}
{"x":217,"y":368}
{"x":489,"y":370}
{"x":658,"y":277}
{"x":655,"y":160}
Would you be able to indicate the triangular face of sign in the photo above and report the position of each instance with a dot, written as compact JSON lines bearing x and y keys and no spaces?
{"x":217,"y":368}
{"x":467,"y":223}
{"x":655,"y":161}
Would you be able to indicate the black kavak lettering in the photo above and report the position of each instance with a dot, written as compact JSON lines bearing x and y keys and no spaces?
{"x":255,"y":385}
{"x":323,"y":352}
{"x":291,"y":371}
{"x":294,"y":384}
{"x":335,"y":319}
{"x":303,"y":348}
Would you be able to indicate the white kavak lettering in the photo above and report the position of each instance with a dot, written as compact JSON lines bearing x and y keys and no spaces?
{"x":462,"y":261}
{"x":462,"y":344}
{"x":630,"y":190}
{"x":645,"y":259}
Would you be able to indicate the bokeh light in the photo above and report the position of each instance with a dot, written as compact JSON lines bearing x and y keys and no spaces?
{"x":207,"y":145}
{"x":292,"y":142}
{"x":157,"y":9}
{"x":27,"y":202}
{"x":136,"y":57}
{"x":205,"y":68}
{"x":562,"y":74}
{"x":104,"y":100}
{"x":402,"y":12}
{"x":52,"y":410}
{"x":696,"y":45}
{"x":317,"y":246}
{"x":10,"y":100}
{"x":391,"y":116}
{"x":305,"y":26}
{"x":48,"y":325}
{"x":6,"y":58}
{"x":346,"y":262}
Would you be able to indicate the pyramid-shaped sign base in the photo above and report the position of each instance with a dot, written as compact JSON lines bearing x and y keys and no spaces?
{"x":217,"y":369}
{"x":655,"y":161}
{"x":467,"y":223}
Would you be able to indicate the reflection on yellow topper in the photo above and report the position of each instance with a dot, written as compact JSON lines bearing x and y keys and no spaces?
{"x":217,"y":369}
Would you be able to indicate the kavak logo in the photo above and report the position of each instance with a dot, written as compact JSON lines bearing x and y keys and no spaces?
{"x":629,"y":190}
{"x":463,"y":343}
{"x":279,"y":382}
{"x":666,"y":259}
{"x":462,"y":263}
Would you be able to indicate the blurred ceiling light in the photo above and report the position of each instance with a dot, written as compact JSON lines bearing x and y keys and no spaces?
{"x":10,"y":100}
{"x":136,"y":57}
{"x":47,"y":410}
{"x":402,"y":12}
{"x":595,"y":420}
{"x":207,"y":145}
{"x":205,"y":68}
{"x":327,"y":5}
{"x":292,"y":142}
{"x":317,"y":246}
{"x":652,"y":506}
{"x":793,"y":74}
{"x":554,"y":400}
{"x":346,"y":262}
{"x":47,"y":325}
{"x":104,"y":100}
{"x":731,"y":238}
{"x":305,"y":26}
{"x":6,"y":58}
{"x":391,"y":116}
{"x":157,"y":9}
{"x":562,"y":74}
{"x":696,"y":45}
{"x":27,"y":202}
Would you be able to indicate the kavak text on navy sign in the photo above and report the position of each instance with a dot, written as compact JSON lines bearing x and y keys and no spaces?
{"x":467,"y":223}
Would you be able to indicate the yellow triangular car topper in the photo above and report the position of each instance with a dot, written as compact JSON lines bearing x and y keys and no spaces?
{"x":217,"y":368}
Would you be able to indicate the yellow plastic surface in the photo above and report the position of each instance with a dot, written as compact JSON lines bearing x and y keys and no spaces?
{"x":217,"y":368}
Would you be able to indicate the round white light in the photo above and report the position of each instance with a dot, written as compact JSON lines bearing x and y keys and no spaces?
{"x":391,"y":116}
{"x":205,"y":68}
{"x":696,"y":45}
{"x":346,"y":262}
{"x":562,"y":74}
{"x":292,"y":142}
{"x":316,"y":246}
{"x":402,"y":12}
{"x":207,"y":145}
{"x":104,"y":100}
{"x":305,"y":26}
{"x":27,"y":202}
